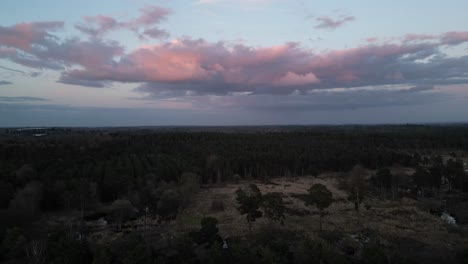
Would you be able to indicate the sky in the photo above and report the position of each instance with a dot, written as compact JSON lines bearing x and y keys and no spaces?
{"x":227,"y":62}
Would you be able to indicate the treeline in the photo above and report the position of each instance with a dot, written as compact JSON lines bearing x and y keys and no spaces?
{"x":109,"y":166}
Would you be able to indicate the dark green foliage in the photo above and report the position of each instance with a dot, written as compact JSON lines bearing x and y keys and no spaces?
{"x":121,"y":210}
{"x":455,"y":173}
{"x":185,"y":251}
{"x":310,"y":251}
{"x":24,"y":207}
{"x":102,"y":255}
{"x":208,"y":233}
{"x":13,"y":243}
{"x":168,"y":205}
{"x":374,"y":253}
{"x":321,"y":197}
{"x":64,"y":248}
{"x":421,"y":177}
{"x":131,"y":249}
{"x":249,"y":203}
{"x":462,"y":256}
{"x":383,"y":180}
{"x":6,"y":194}
{"x":357,"y":186}
{"x":273,"y":207}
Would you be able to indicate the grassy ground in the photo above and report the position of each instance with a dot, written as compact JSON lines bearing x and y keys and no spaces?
{"x":403,"y":218}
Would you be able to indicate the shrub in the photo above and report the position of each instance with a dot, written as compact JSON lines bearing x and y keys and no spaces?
{"x":66,"y":249}
{"x":131,"y":249}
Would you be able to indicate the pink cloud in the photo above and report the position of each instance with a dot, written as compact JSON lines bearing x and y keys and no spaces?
{"x":200,"y":65}
{"x":197,"y":60}
{"x":372,"y":40}
{"x":196,"y":66}
{"x":454,"y":37}
{"x":23,"y":35}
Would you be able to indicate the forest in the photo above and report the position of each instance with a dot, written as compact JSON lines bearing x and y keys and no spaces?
{"x":226,"y":195}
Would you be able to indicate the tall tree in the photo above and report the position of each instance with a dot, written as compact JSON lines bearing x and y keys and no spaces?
{"x":357,"y":185}
{"x":321,"y":197}
{"x":383,"y":178}
{"x":421,"y":178}
{"x":208,"y":232}
{"x":273,"y":207}
{"x":455,"y":173}
{"x":249,"y":204}
{"x":168,"y":205}
{"x":436,"y":173}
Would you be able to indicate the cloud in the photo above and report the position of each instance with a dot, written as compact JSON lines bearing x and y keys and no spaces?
{"x":325,"y":100}
{"x":21,"y":99}
{"x":155,"y":33}
{"x":454,"y":37}
{"x":188,"y":66}
{"x":149,"y":16}
{"x":97,"y":25}
{"x":50,"y":52}
{"x":326,"y":22}
{"x":207,"y":2}
{"x":65,"y":79}
{"x":194,"y":68}
{"x":144,"y":25}
{"x":211,"y":64}
{"x":292,"y":79}
{"x":5,"y":82}
{"x":24,"y":35}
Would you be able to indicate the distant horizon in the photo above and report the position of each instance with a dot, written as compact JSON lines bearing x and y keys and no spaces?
{"x":241,"y":126}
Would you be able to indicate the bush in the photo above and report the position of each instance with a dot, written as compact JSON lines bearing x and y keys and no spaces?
{"x":373,"y":254}
{"x":462,"y":256}
{"x":64,"y":248}
{"x":13,"y":243}
{"x":102,"y":256}
{"x":6,"y":194}
{"x":121,"y":211}
{"x":168,"y":205}
{"x":131,"y":249}
{"x":25,"y":205}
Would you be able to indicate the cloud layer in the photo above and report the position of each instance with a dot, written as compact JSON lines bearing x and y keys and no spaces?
{"x":196,"y":70}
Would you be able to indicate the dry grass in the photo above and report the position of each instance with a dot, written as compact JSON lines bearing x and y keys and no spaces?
{"x":402,"y":218}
